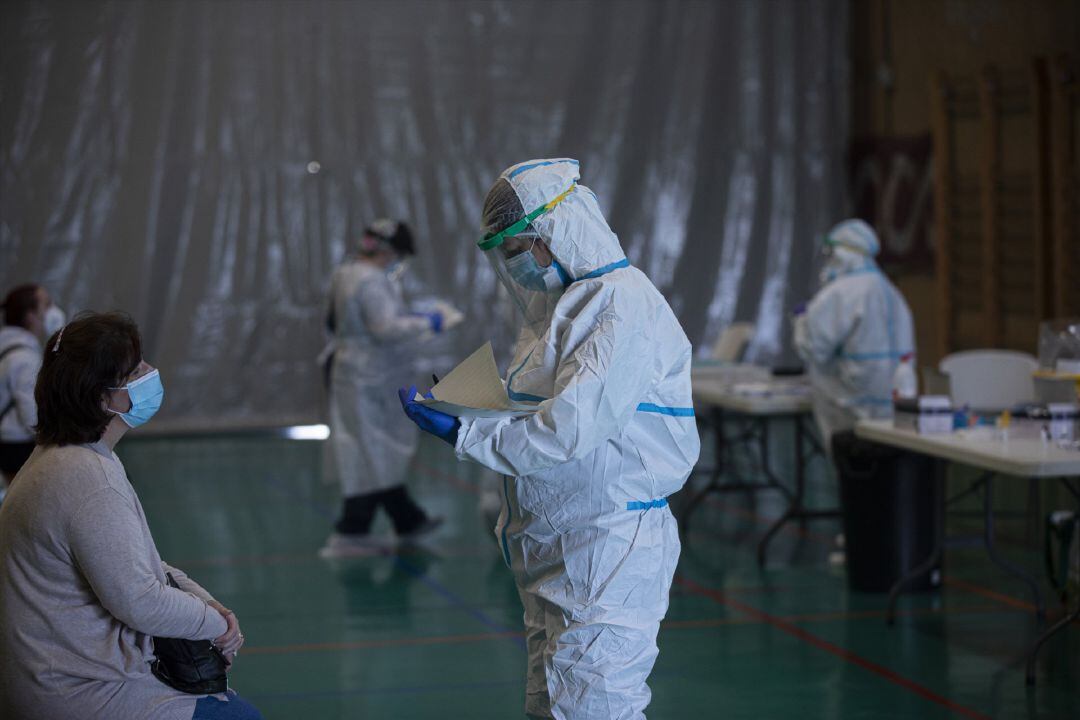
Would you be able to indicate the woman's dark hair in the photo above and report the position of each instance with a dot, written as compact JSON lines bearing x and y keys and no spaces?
{"x":19,"y":303}
{"x":90,"y":355}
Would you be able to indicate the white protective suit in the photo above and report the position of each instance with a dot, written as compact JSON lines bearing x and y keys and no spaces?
{"x":585,"y":528}
{"x":853,"y":334}
{"x":371,"y":440}
{"x":19,"y":367}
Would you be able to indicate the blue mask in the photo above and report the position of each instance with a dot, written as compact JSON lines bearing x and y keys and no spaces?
{"x":146,"y":395}
{"x":528,"y":273}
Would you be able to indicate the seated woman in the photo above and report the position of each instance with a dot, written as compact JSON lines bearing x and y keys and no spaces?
{"x":83,"y":590}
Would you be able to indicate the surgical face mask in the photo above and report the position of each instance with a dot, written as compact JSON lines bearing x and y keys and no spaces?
{"x":529,"y":274}
{"x":54,"y":320}
{"x":146,"y":395}
{"x":841,"y":260}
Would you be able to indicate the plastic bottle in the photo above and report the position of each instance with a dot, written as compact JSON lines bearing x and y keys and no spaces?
{"x":904,"y":384}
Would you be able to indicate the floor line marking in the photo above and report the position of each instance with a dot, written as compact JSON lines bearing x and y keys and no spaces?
{"x":431,"y":583}
{"x":840,"y":652}
{"x":822,"y":540}
{"x":988,"y":593}
{"x":833,"y":616}
{"x":667,"y":625}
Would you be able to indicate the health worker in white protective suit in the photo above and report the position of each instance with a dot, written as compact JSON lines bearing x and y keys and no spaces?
{"x":375,"y":337}
{"x":585,"y":528}
{"x":30,"y":317}
{"x":853,"y":333}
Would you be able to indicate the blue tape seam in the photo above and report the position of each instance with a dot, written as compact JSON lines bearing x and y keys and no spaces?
{"x":524,"y":168}
{"x":639,"y":505}
{"x":664,"y":410}
{"x":605,"y":269}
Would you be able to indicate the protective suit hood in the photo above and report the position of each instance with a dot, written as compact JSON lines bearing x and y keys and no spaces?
{"x":575,"y":230}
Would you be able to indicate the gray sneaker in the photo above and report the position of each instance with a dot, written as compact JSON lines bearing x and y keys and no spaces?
{"x":344,"y":546}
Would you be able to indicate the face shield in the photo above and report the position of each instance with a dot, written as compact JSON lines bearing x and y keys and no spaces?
{"x":838,"y":259}
{"x":525,"y":264}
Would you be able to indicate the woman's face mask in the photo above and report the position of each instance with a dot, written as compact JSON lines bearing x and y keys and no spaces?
{"x":530,"y":274}
{"x":146,"y":394}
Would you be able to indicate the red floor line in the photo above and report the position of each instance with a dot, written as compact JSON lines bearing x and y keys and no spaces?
{"x":789,"y":527}
{"x":832,"y":648}
{"x":829,"y":616}
{"x":817,"y":537}
{"x":988,"y":593}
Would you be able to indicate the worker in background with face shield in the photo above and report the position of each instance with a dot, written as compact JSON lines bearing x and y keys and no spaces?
{"x":853,"y":333}
{"x":375,"y":336}
{"x":585,"y":527}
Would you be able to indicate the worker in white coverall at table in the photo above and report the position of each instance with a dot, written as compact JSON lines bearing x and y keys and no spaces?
{"x":586,"y":527}
{"x":375,"y":336}
{"x":853,"y":333}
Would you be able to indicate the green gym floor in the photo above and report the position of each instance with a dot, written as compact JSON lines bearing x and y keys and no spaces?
{"x":436,"y":632}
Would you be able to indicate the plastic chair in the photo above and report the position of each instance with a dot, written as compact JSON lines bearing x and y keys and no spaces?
{"x":990,"y":380}
{"x":732,"y":344}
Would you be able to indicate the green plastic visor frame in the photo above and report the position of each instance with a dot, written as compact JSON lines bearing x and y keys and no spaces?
{"x":828,"y":244}
{"x":494,"y":240}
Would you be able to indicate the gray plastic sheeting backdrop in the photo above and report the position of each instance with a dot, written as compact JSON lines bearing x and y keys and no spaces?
{"x":157,"y":158}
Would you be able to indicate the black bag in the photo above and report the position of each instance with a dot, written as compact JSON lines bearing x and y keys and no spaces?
{"x":190,"y":666}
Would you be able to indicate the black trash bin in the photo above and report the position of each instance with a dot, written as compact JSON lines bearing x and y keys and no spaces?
{"x":890,"y":501}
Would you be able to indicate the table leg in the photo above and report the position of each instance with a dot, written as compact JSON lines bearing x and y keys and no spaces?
{"x":795,"y":507}
{"x":800,"y":464}
{"x":936,"y":552}
{"x":1054,"y":629}
{"x":766,"y":468}
{"x":991,"y":550}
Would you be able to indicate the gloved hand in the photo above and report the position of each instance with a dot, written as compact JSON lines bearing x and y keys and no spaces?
{"x":436,"y":320}
{"x":799,"y":309}
{"x":439,"y":424}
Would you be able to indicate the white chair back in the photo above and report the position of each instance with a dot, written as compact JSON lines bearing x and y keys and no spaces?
{"x":990,"y":379}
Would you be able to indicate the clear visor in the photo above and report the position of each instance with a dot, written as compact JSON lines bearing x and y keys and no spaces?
{"x":532,"y":286}
{"x":531,"y":274}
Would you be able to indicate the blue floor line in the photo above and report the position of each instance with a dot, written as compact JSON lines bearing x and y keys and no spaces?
{"x":456,"y":600}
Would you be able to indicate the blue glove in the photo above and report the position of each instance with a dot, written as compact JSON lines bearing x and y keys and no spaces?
{"x":439,"y":424}
{"x":799,"y":309}
{"x":436,"y":320}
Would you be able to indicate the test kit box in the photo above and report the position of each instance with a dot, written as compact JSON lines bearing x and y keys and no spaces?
{"x":1053,"y":422}
{"x":926,"y":415}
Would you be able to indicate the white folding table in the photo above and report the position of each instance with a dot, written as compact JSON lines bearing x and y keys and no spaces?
{"x":758,"y":410}
{"x":1014,"y":457}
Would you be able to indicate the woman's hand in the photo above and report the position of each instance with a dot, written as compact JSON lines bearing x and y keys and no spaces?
{"x":229,"y":644}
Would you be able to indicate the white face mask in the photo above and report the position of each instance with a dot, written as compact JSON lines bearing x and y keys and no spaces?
{"x":54,"y":320}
